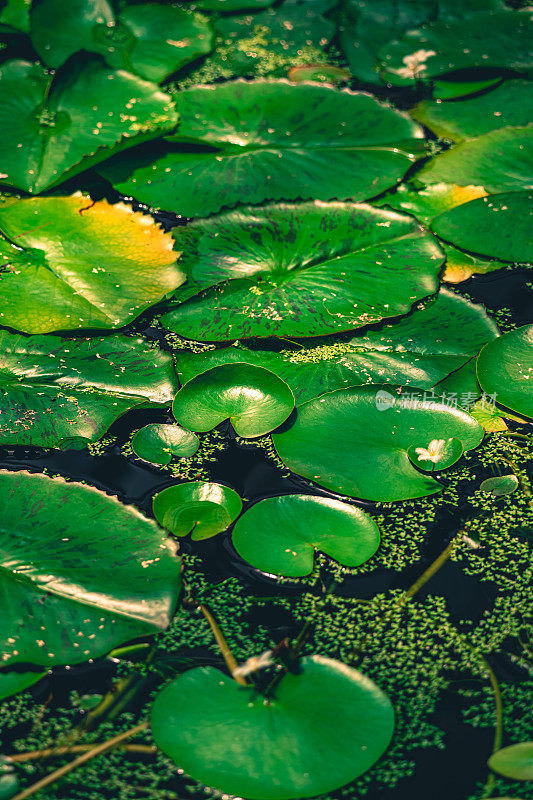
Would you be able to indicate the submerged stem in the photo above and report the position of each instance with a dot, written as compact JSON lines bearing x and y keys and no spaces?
{"x":58,"y":752}
{"x":98,"y":750}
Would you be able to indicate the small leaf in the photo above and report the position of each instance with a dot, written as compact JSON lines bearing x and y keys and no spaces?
{"x":502,"y":485}
{"x":159,"y":443}
{"x":12,"y":682}
{"x":80,"y":572}
{"x":279,"y":535}
{"x":254,"y":399}
{"x":322,"y":73}
{"x":203,"y":508}
{"x":515,"y":761}
{"x":80,"y":264}
{"x":284,"y":753}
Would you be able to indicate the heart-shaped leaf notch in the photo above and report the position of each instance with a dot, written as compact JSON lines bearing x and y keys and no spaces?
{"x":80,"y":572}
{"x":236,"y":740}
{"x":284,"y":277}
{"x":505,"y":370}
{"x":254,"y":399}
{"x":69,"y":262}
{"x":151,"y":40}
{"x":356,"y":441}
{"x":279,"y":535}
{"x":160,"y":443}
{"x":55,"y":127}
{"x":202,"y":508}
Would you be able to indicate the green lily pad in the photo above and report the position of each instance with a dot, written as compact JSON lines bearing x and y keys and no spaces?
{"x":501,"y":485}
{"x":355,"y":441}
{"x":505,"y":370}
{"x":15,"y":14}
{"x":279,"y":751}
{"x":421,"y":350}
{"x":484,"y":40}
{"x":511,"y":104}
{"x":9,"y":783}
{"x":70,"y":263}
{"x":279,"y":535}
{"x":272,"y":140}
{"x":55,"y":127}
{"x":287,"y":278}
{"x":500,"y":161}
{"x":450,"y":90}
{"x":81,"y":573}
{"x":65,"y":393}
{"x":497,"y":225}
{"x":152,"y":40}
{"x":14,"y":682}
{"x":160,"y":443}
{"x":203,"y":508}
{"x":515,"y":761}
{"x":254,"y":399}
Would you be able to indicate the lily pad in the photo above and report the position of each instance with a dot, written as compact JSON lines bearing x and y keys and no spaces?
{"x":284,"y":753}
{"x":501,"y":485}
{"x":81,"y":573}
{"x":515,"y":761}
{"x":279,"y":535}
{"x":505,"y":370}
{"x":498,"y":226}
{"x":160,"y":443}
{"x":435,"y":340}
{"x":323,"y":73}
{"x":485,"y":40}
{"x":355,"y":441}
{"x":64,"y":393}
{"x":450,"y":89}
{"x":15,"y":14}
{"x":203,"y":508}
{"x":56,"y":126}
{"x":254,"y":399}
{"x":272,"y":140}
{"x":500,"y":161}
{"x":151,"y":40}
{"x":439,"y":454}
{"x":287,"y":278}
{"x":511,"y":104}
{"x":69,"y":263}
{"x":13,"y":682}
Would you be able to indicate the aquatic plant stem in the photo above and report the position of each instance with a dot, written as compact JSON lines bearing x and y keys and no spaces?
{"x":498,"y":727}
{"x":98,"y":750}
{"x":58,"y":752}
{"x":227,"y":655}
{"x":431,"y":570}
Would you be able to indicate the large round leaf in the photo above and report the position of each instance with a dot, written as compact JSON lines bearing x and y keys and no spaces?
{"x":288,"y":278}
{"x":272,"y":140}
{"x":80,"y":572}
{"x":505,"y":370}
{"x":279,"y":535}
{"x":515,"y":761}
{"x":159,"y":443}
{"x":486,"y":39}
{"x":422,"y":349}
{"x":70,"y":263}
{"x":64,"y":393}
{"x":499,"y":161}
{"x":151,"y":40}
{"x":254,"y":399}
{"x":510,"y":104}
{"x":54,"y":128}
{"x":355,"y":441}
{"x":497,"y":226}
{"x":320,"y":730}
{"x":202,"y":508}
